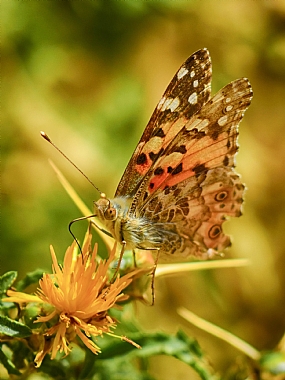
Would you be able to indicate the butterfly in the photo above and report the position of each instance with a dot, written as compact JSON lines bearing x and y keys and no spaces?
{"x":180,"y":184}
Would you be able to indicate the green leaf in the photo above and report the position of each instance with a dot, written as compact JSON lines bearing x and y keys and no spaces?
{"x":6,"y":281}
{"x":89,"y":365}
{"x":13,"y":328}
{"x":56,"y":369}
{"x":11,"y":369}
{"x":273,"y":362}
{"x":116,"y":368}
{"x":30,"y":279}
{"x":180,"y":346}
{"x":22,"y":352}
{"x":119,"y":369}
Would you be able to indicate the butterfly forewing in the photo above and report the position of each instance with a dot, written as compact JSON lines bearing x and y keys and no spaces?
{"x":188,"y":91}
{"x":208,"y":139}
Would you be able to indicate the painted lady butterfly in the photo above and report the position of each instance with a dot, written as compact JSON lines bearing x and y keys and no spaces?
{"x":180,"y":184}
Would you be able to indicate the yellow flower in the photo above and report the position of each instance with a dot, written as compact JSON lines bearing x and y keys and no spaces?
{"x":81,"y":296}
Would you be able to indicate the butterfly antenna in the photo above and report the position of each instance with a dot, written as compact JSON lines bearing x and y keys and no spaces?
{"x":45,"y":136}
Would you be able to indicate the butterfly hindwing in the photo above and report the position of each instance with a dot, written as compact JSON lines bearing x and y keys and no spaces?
{"x":196,"y":209}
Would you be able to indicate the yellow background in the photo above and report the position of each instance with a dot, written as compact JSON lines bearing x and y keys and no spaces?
{"x":89,"y":73}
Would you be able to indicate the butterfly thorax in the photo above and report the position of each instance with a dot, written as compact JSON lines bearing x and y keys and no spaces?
{"x":137,"y":232}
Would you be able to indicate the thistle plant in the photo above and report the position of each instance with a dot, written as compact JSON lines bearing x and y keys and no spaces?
{"x":81,"y":323}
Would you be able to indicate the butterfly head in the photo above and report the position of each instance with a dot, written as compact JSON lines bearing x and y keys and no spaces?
{"x":105,"y":209}
{"x":112,"y":213}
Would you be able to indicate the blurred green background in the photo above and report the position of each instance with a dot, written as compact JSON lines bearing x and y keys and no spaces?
{"x":89,"y":73}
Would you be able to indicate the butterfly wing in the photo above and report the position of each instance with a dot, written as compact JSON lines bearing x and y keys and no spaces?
{"x":207,"y":140}
{"x":188,"y":91}
{"x":192,"y":213}
{"x":193,"y":187}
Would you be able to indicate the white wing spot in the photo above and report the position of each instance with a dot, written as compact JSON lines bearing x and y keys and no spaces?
{"x":229,"y":108}
{"x":169,"y":104}
{"x":204,"y":123}
{"x":162,"y":100}
{"x":192,"y":74}
{"x":228,"y":100}
{"x":174,"y":104}
{"x":166,"y":104}
{"x":183,"y":71}
{"x":222,"y":121}
{"x":193,"y":98}
{"x":195,"y":83}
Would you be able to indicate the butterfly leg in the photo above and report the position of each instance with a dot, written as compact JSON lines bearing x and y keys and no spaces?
{"x":153,"y":277}
{"x":96,"y":225}
{"x":134,"y":258}
{"x":119,"y":261}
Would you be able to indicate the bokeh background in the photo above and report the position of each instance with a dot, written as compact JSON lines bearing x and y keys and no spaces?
{"x":89,"y":73}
